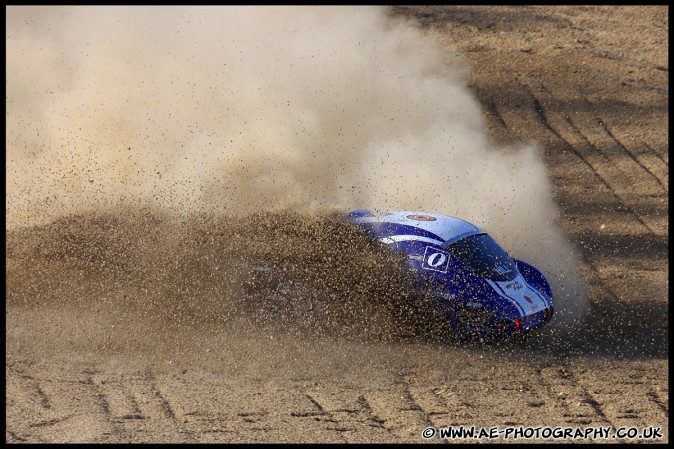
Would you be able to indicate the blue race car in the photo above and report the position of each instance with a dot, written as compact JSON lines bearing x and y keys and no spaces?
{"x":477,"y":287}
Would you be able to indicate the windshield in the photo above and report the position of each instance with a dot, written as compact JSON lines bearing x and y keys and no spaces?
{"x":485,"y":257}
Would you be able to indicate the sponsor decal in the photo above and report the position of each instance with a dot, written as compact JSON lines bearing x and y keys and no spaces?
{"x":449,"y":296}
{"x":534,"y":306}
{"x":514,"y":286}
{"x":435,"y":260}
{"x":473,"y":316}
{"x":421,"y":217}
{"x":416,"y":257}
{"x":501,"y":269}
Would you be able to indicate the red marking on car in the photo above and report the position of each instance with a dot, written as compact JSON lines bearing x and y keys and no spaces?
{"x":421,"y":217}
{"x":528,"y":300}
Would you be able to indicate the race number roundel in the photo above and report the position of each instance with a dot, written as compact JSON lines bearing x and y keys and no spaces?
{"x":421,"y":217}
{"x":436,"y":260}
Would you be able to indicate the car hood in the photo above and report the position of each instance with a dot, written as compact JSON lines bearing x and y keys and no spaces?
{"x":523,"y":296}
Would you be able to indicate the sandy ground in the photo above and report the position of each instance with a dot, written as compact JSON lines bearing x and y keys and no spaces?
{"x":591,"y":85}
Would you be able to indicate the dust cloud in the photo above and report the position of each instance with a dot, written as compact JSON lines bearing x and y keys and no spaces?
{"x":238,"y":110}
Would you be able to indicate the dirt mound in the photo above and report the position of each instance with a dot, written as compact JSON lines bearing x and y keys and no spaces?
{"x":214,"y":273}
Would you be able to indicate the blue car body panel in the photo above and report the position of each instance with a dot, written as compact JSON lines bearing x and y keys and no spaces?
{"x":496,"y":300}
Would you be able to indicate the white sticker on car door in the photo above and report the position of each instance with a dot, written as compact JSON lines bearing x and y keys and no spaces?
{"x":435,"y":260}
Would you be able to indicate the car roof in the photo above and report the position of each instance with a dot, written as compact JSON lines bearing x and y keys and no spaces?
{"x":446,"y":228}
